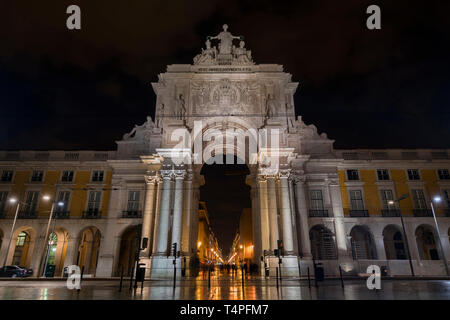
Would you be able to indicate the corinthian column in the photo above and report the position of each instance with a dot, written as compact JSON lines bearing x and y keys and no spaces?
{"x":286,"y":212}
{"x":178,"y":208}
{"x":163,"y":227}
{"x":273,"y":211}
{"x":149,"y":206}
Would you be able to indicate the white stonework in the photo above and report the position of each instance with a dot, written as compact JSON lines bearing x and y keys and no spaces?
{"x":229,"y":93}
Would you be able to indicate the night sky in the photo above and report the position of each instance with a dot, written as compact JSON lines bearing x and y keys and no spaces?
{"x":84,"y":89}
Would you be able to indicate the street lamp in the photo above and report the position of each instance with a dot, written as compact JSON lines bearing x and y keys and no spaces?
{"x":392,"y":202}
{"x":437,"y":199}
{"x":12,"y":200}
{"x":47,"y":235}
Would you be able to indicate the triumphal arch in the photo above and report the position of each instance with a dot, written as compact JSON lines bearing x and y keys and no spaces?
{"x":226,"y":104}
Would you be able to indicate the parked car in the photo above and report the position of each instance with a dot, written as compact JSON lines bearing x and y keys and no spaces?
{"x":15,"y":271}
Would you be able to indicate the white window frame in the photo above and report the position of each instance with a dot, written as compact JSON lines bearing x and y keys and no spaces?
{"x":362,"y":199}
{"x":388,"y":174}
{"x":418,"y":172}
{"x":73,"y":176}
{"x":94,"y":174}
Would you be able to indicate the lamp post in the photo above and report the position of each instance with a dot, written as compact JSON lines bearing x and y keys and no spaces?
{"x":438,"y":199}
{"x":404,"y":196}
{"x":12,"y":200}
{"x":47,"y":235}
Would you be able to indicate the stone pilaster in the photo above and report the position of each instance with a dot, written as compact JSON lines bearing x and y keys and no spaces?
{"x":149,"y":206}
{"x":264,"y":209}
{"x":300,"y":191}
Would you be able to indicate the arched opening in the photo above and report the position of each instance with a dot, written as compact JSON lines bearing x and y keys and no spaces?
{"x":226,"y":207}
{"x":363,"y":245}
{"x":128,"y":246}
{"x":56,"y":250}
{"x":323,"y":246}
{"x":88,"y":249}
{"x":393,"y":243}
{"x":426,"y":243}
{"x":22,"y":249}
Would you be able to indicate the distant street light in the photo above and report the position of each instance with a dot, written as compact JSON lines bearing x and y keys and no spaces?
{"x":404,"y":196}
{"x":437,"y":199}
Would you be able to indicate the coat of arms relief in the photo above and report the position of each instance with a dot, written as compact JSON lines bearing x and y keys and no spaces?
{"x":225,"y":97}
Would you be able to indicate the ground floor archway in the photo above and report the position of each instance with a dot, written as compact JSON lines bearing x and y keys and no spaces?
{"x":363,"y":245}
{"x":88,"y":249}
{"x":426,"y":243}
{"x":323,"y":245}
{"x":394,"y":244}
{"x":57,"y":249}
{"x":128,"y":247}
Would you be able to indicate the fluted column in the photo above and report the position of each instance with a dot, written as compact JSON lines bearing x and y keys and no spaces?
{"x":273,"y":210}
{"x":178,"y":207}
{"x":150,"y":195}
{"x":163,"y":227}
{"x":187,"y":216}
{"x":264,"y":209}
{"x":303,"y":213}
{"x":286,"y":212}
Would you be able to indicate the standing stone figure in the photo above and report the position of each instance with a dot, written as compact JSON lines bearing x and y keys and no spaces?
{"x":271,"y":106}
{"x":180,"y":110}
{"x":226,"y":40}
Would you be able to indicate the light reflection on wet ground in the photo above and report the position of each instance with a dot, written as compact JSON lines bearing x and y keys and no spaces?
{"x":226,"y":287}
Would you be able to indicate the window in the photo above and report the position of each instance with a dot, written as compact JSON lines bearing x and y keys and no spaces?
{"x":383,"y":174}
{"x":63,"y":196}
{"x":31,"y":202}
{"x":133,"y":201}
{"x":37,"y":176}
{"x":447,"y":197}
{"x":356,"y":200}
{"x":419,"y":199}
{"x":67,"y":176}
{"x":7,"y":175}
{"x":3,"y":200}
{"x":352,"y":175}
{"x":413,"y":174}
{"x":386,"y":196}
{"x":316,"y":199}
{"x":94,"y":201}
{"x":21,"y":239}
{"x":443,"y":174}
{"x":97,"y":176}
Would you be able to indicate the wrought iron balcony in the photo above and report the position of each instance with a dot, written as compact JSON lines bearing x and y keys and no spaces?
{"x":28,"y":214}
{"x":422,"y":213}
{"x":92,"y":214}
{"x":318,"y":213}
{"x":390,"y":212}
{"x":131,"y":214}
{"x":359,"y":213}
{"x":61,"y":214}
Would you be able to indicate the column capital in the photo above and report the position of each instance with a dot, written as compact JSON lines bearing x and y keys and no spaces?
{"x":166,"y":174}
{"x":284,"y":173}
{"x":151,"y":177}
{"x":179,"y":174}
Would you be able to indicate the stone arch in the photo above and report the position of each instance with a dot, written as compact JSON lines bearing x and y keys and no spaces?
{"x":128,"y":245}
{"x":228,"y":132}
{"x":22,"y":246}
{"x":88,"y":249}
{"x":57,"y":249}
{"x":363,"y":244}
{"x":323,"y":246}
{"x":426,"y":242}
{"x":394,"y":243}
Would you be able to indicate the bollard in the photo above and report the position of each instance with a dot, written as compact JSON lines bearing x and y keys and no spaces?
{"x":340,"y":273}
{"x":309,"y":279}
{"x":174,"y":273}
{"x":121,"y":280}
{"x":209,"y":277}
